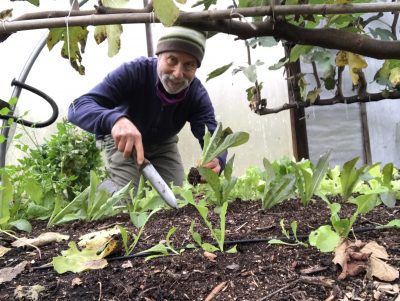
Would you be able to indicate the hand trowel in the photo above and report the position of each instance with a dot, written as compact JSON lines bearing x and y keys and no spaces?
{"x":151,"y":174}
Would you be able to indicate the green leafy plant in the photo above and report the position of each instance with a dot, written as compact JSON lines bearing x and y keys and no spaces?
{"x":308,"y":179}
{"x":214,"y":145}
{"x":142,"y":200}
{"x":221,"y":186}
{"x":124,"y":234}
{"x":247,"y":185}
{"x":164,"y":249}
{"x":293,"y":226}
{"x":277,"y":187}
{"x":217,"y":233}
{"x":7,"y":207}
{"x":91,"y":204}
{"x":219,"y":142}
{"x":326,"y":239}
{"x":392,"y":224}
{"x":350,"y":177}
{"x":61,"y":165}
{"x":330,"y":185}
{"x":381,"y":183}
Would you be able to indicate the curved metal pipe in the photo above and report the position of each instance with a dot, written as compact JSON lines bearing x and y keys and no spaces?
{"x":47,"y":98}
{"x":7,"y":131}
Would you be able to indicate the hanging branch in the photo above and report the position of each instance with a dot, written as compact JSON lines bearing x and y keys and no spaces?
{"x":339,"y":91}
{"x":394,"y":23}
{"x":323,"y":37}
{"x":369,"y":97}
{"x":223,"y":21}
{"x":315,"y":73}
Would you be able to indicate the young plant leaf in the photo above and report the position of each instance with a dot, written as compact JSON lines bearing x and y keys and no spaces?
{"x":392,"y":224}
{"x":166,"y":11}
{"x":350,"y":177}
{"x":218,"y":71}
{"x":324,"y":239}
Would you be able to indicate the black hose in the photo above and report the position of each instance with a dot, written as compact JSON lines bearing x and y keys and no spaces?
{"x":226,"y":243}
{"x":41,"y":94}
{"x":291,"y":239}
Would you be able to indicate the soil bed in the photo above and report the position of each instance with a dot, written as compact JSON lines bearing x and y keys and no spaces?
{"x":258,"y":271}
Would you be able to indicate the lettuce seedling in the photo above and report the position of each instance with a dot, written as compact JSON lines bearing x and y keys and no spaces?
{"x":293,"y":226}
{"x":277,"y":188}
{"x":124,"y":234}
{"x":326,"y":239}
{"x":215,"y":145}
{"x":221,"y":186}
{"x":381,"y":183}
{"x":350,"y":177}
{"x":309,"y":179}
{"x":143,"y":200}
{"x":91,"y":204}
{"x":219,"y":142}
{"x":9,"y":209}
{"x":164,"y":249}
{"x":217,"y":233}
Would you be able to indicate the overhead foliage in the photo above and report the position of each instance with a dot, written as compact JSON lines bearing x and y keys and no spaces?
{"x":334,"y":36}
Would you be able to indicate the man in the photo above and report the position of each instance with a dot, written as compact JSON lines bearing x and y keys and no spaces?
{"x":139,"y":108}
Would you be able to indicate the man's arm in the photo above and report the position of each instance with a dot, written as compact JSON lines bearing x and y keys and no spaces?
{"x":100,"y":111}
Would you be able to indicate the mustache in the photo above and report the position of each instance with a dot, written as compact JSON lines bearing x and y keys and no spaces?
{"x":174,"y":79}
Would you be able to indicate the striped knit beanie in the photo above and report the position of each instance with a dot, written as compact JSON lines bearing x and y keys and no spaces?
{"x":177,"y":38}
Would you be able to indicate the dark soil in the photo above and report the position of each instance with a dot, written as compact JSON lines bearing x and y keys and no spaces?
{"x":258,"y":271}
{"x":194,"y":176}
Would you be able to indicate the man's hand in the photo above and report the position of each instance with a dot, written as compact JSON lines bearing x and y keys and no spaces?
{"x":213,"y":165}
{"x":127,"y":137}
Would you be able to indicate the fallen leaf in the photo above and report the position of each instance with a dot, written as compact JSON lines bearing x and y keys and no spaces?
{"x":41,"y":240}
{"x":381,"y":270}
{"x":8,"y":274}
{"x":391,"y":289}
{"x":210,"y":256}
{"x":357,"y":257}
{"x":28,"y":292}
{"x":76,"y":281}
{"x":95,"y":240}
{"x":3,"y":251}
{"x":376,"y":250}
{"x":127,"y":264}
{"x":73,"y":260}
{"x":340,"y":254}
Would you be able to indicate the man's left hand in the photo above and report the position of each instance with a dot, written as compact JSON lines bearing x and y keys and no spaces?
{"x":213,"y":165}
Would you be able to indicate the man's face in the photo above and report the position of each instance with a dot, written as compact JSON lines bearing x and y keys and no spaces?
{"x":176,"y":70}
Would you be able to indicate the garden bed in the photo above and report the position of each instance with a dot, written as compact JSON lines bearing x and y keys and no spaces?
{"x":258,"y":271}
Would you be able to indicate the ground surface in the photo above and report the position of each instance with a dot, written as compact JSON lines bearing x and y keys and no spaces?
{"x":258,"y":271}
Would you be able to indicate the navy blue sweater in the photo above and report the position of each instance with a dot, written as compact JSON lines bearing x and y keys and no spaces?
{"x":130,"y":90}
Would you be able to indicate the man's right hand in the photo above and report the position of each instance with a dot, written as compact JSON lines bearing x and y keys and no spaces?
{"x":127,"y":137}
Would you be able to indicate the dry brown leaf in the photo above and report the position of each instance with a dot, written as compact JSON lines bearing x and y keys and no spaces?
{"x":127,"y":264}
{"x":340,"y":254}
{"x":76,"y":281}
{"x":28,"y":292}
{"x":96,"y":240}
{"x":376,"y":250}
{"x":358,"y":257}
{"x":381,"y":270}
{"x":391,"y":289}
{"x":8,"y":274}
{"x":355,"y":267}
{"x":210,"y":256}
{"x":42,"y":239}
{"x":3,"y":250}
